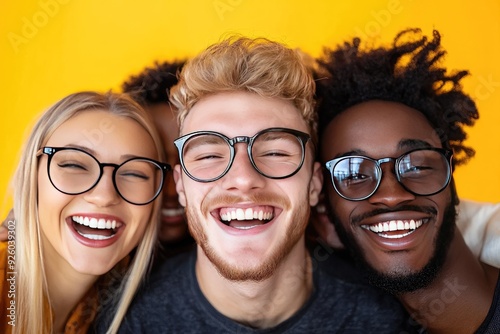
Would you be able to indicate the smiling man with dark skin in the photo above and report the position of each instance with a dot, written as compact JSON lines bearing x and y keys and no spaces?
{"x":391,"y":132}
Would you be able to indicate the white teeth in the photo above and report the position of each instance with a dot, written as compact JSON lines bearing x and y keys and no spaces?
{"x":172,"y":212}
{"x":412,"y":224}
{"x":394,"y":225}
{"x":249,"y":214}
{"x":95,"y":223}
{"x":95,"y":236}
{"x":101,"y":224}
{"x":245,"y":227}
{"x":401,"y":225}
{"x":246,"y":214}
{"x":396,"y":236}
{"x":240,"y":214}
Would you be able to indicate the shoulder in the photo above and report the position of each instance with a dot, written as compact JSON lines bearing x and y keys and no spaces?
{"x":172,"y":268}
{"x":165,"y":297}
{"x":479,"y":223}
{"x":343,"y":298}
{"x":492,"y":322}
{"x":172,"y":302}
{"x":168,"y":282}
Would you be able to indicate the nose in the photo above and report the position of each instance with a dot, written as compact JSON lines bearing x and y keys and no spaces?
{"x":103,"y":193}
{"x":242,"y":175}
{"x":390,"y":192}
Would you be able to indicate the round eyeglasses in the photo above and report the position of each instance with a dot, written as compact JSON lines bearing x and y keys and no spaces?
{"x":73,"y":171}
{"x":421,"y":172}
{"x":276,"y":153}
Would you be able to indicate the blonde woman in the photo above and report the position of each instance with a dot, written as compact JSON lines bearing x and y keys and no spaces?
{"x":85,"y":197}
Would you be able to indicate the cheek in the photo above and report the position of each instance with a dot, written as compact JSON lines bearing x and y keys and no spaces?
{"x":442,"y":200}
{"x":51,"y":204}
{"x":339,"y":207}
{"x":142,"y":217}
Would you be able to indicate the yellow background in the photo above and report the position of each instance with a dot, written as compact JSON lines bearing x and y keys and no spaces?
{"x":50,"y":48}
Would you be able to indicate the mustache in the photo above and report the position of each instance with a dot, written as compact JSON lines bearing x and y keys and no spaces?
{"x":424,"y":209}
{"x":227,"y":200}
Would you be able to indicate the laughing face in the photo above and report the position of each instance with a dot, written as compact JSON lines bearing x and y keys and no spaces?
{"x":400,"y":237}
{"x":91,"y":232}
{"x":245,"y":223}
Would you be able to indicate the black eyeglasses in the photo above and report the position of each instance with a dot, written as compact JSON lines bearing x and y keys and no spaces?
{"x":421,"y":172}
{"x":73,"y":171}
{"x":276,"y":153}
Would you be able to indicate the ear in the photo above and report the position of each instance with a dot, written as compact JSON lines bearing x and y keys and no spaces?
{"x":179,"y":185}
{"x":315,"y":184}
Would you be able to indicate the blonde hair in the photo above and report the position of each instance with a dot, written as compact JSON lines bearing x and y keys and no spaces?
{"x":259,"y":65}
{"x":32,"y":296}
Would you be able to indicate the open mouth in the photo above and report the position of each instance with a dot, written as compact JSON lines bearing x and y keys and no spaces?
{"x":172,"y":212}
{"x":246,"y":218}
{"x":395,"y":229}
{"x":95,"y":228}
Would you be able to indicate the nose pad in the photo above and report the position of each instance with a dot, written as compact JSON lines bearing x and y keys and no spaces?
{"x":390,"y":191}
{"x":242,"y":174}
{"x":104,"y":192}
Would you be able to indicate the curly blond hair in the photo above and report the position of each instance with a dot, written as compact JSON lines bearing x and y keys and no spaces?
{"x":261,"y":66}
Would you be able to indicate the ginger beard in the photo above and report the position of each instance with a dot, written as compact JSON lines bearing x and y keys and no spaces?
{"x":266,"y":268}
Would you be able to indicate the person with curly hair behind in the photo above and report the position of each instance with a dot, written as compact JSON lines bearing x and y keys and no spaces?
{"x":391,"y":133}
{"x":150,"y":89}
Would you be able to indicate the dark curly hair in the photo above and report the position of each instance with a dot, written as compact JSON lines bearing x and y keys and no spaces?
{"x":152,"y":84}
{"x":407,"y":73}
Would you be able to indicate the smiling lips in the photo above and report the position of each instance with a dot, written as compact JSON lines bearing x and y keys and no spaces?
{"x":95,"y":228}
{"x":392,"y":226}
{"x":246,"y":218}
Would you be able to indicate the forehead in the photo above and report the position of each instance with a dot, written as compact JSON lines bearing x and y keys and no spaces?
{"x":164,"y":119}
{"x":104,"y":133}
{"x":376,"y":128}
{"x":242,"y":114}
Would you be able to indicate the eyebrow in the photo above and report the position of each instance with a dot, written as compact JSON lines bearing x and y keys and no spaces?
{"x":94,"y":153}
{"x":404,"y":144}
{"x":413,"y":144}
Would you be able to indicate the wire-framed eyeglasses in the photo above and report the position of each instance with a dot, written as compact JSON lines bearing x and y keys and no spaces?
{"x":73,"y":171}
{"x":276,"y":153}
{"x":423,"y":172}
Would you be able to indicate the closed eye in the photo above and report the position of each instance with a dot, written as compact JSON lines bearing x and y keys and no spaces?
{"x":71,"y":165}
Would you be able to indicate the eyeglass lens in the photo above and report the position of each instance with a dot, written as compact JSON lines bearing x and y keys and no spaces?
{"x":274,"y":154}
{"x":74,"y":172}
{"x":422,"y":172}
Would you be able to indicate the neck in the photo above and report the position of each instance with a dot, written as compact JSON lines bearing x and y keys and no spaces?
{"x":459,"y":299}
{"x":66,"y":289}
{"x":262,"y":304}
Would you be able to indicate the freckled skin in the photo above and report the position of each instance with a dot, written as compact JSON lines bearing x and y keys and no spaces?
{"x":258,"y":254}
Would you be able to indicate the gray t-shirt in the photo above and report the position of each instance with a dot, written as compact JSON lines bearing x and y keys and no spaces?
{"x":172,"y":302}
{"x":491,"y":325}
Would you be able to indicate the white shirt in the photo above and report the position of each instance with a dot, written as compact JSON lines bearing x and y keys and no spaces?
{"x":479,"y":223}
